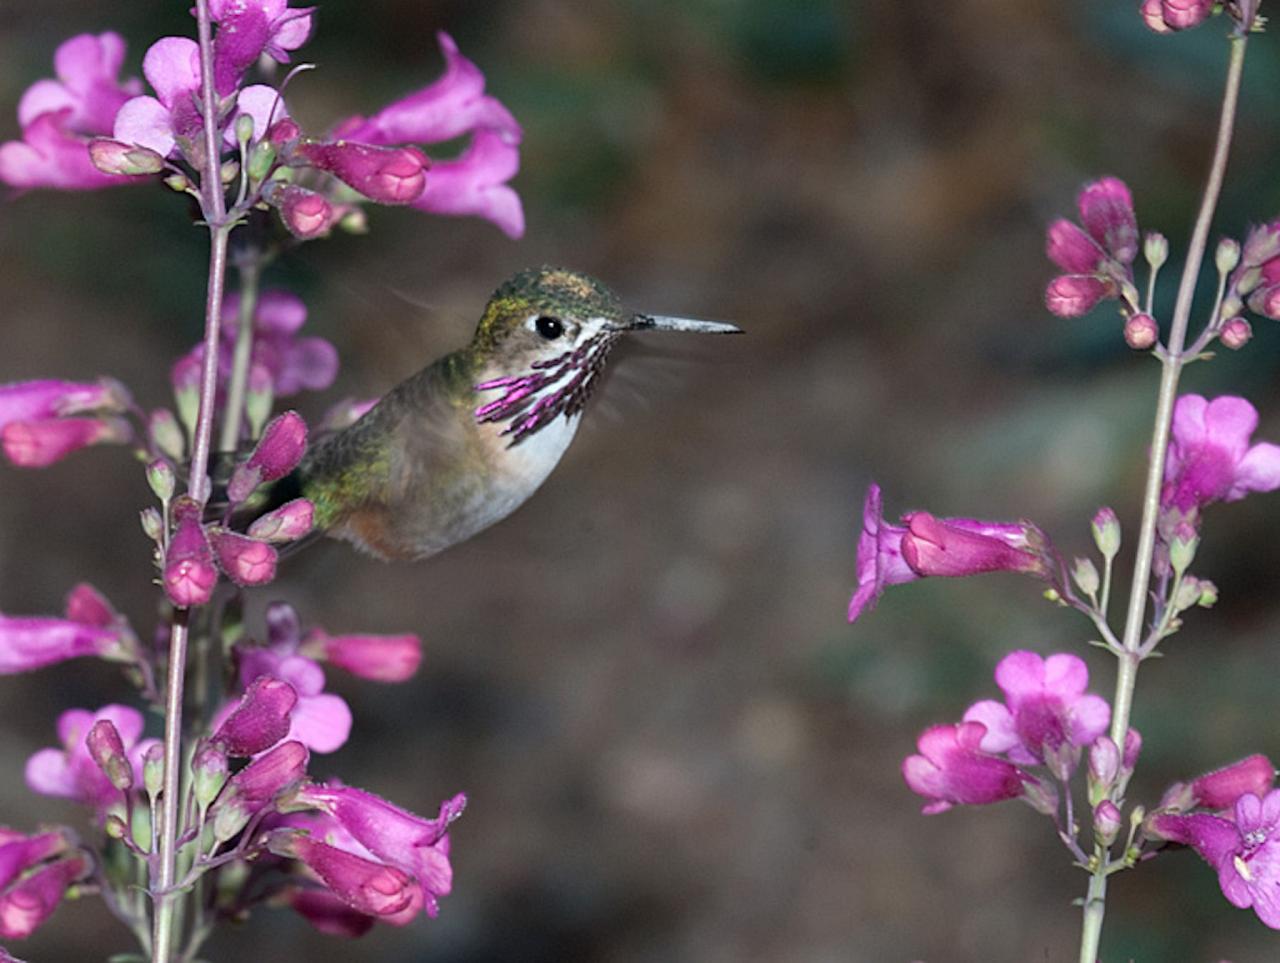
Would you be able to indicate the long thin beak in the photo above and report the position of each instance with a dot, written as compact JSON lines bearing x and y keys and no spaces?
{"x":659,"y":322}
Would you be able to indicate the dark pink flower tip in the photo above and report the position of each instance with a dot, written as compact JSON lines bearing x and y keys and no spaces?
{"x":1210,"y":458}
{"x":382,"y":658}
{"x":879,"y":562}
{"x":289,"y":522}
{"x":327,"y":913}
{"x":1072,"y":249}
{"x":1184,"y":14}
{"x":260,"y":720}
{"x":31,"y":643}
{"x":1236,"y":333}
{"x":41,"y":400}
{"x":87,"y":605}
{"x":305,"y":213}
{"x":189,"y":570}
{"x":31,"y":901}
{"x":962,"y":546}
{"x":1071,"y":295}
{"x":245,"y":560}
{"x":42,"y":442}
{"x":1106,"y":211}
{"x":269,"y":775}
{"x":18,"y":853}
{"x":106,"y":748}
{"x":362,"y":884}
{"x":283,"y":443}
{"x":953,"y":770}
{"x":388,"y":175}
{"x":1221,"y":788}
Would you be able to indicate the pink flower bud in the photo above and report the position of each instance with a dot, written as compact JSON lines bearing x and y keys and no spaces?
{"x":41,"y":442}
{"x":113,"y":157}
{"x":246,"y":561}
{"x":289,"y":522}
{"x":1236,"y":333}
{"x":1106,"y":531}
{"x":1266,"y":301}
{"x":305,"y":213}
{"x":1184,"y":14}
{"x":87,"y":605}
{"x":1104,"y":762}
{"x":260,"y":720}
{"x":361,"y":883}
{"x":189,"y":572}
{"x":208,"y":773}
{"x":388,"y":175}
{"x":185,"y":378}
{"x":1072,"y":249}
{"x":382,"y":658}
{"x":1221,"y":788}
{"x":1070,"y":295}
{"x":1106,"y":211}
{"x":165,"y":434}
{"x":1153,"y":17}
{"x":1107,"y":821}
{"x":283,"y":131}
{"x":107,"y":749}
{"x":1132,"y":747}
{"x":1141,"y":331}
{"x":269,"y":775}
{"x":277,"y":453}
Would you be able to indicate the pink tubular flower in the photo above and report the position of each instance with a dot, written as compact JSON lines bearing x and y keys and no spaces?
{"x":382,"y":658}
{"x":880,"y":562}
{"x":41,"y":442}
{"x":267,"y":776}
{"x":41,"y":400}
{"x":365,"y":885}
{"x":1106,"y":211}
{"x":1046,"y":716}
{"x":1245,"y":850}
{"x":967,"y":546}
{"x":1221,"y":788}
{"x":278,"y":451}
{"x":388,"y":175}
{"x":32,"y":643}
{"x":1210,"y":458}
{"x":475,"y":183}
{"x":260,"y":720}
{"x":31,"y":899}
{"x":952,"y":769}
{"x":247,"y":29}
{"x":189,"y":572}
{"x":58,"y":116}
{"x":71,"y":772}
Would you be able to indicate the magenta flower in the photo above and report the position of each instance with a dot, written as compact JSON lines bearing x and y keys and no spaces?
{"x":388,"y":175}
{"x":1210,"y":458}
{"x":1046,"y":717}
{"x":1221,"y":788}
{"x":41,"y":442}
{"x":880,"y":562}
{"x":244,"y":560}
{"x":59,"y":116}
{"x":42,"y":400}
{"x":31,"y":883}
{"x":1245,"y":850}
{"x":327,"y":913}
{"x":278,"y":451}
{"x":1096,"y":258}
{"x":289,"y":522}
{"x":34,"y":642}
{"x":305,"y":213}
{"x":455,"y":105}
{"x":70,"y":772}
{"x":260,"y":720}
{"x":365,"y":885}
{"x":952,"y":769}
{"x":189,"y":571}
{"x":247,"y":29}
{"x":382,"y":658}
{"x":267,"y":776}
{"x":1166,"y":16}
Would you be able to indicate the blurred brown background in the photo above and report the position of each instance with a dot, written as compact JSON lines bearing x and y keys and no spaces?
{"x":674,"y":746}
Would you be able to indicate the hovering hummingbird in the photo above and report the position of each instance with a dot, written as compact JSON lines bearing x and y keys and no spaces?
{"x":469,"y":438}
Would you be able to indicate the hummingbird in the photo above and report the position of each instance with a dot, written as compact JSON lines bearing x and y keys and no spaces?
{"x":468,"y":439}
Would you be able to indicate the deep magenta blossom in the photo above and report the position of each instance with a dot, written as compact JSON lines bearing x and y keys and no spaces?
{"x":1210,"y":458}
{"x":1097,"y":257}
{"x":50,"y":398}
{"x":35,"y":872}
{"x":1166,"y":16}
{"x":247,"y":29}
{"x":189,"y":571}
{"x":278,"y":451}
{"x":1046,"y":717}
{"x":1245,"y":850}
{"x":59,"y":116}
{"x":70,"y":772}
{"x":455,"y":105}
{"x":260,"y":720}
{"x":366,"y":885}
{"x":1221,"y":788}
{"x":34,"y":642}
{"x":947,"y":547}
{"x":952,"y":769}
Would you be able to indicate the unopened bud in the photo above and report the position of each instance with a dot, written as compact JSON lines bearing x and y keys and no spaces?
{"x":261,"y":158}
{"x":244,"y":128}
{"x":153,"y":769}
{"x":209,"y":774}
{"x":1155,"y":248}
{"x":246,"y":561}
{"x":1236,"y":333}
{"x":1085,"y":574}
{"x":1107,"y":820}
{"x":160,"y":478}
{"x":259,"y":398}
{"x":178,"y":182}
{"x":114,"y":827}
{"x":290,"y":521}
{"x":113,"y":157}
{"x":185,"y":377}
{"x":1106,"y":532}
{"x":152,"y":523}
{"x":229,"y":818}
{"x":1132,"y":747}
{"x":1227,"y":255}
{"x":283,"y":131}
{"x":166,"y":434}
{"x":355,"y":221}
{"x":1104,"y":766}
{"x":1141,"y":331}
{"x":229,"y":171}
{"x":107,"y":750}
{"x":1182,"y":547}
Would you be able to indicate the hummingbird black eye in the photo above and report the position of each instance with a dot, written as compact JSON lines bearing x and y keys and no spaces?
{"x":550,"y":328}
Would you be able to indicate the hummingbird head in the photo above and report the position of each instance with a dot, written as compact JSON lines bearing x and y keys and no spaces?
{"x":550,"y":331}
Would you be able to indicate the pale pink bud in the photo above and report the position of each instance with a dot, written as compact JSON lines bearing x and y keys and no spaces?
{"x":388,"y":175}
{"x":1236,"y":333}
{"x":246,"y":561}
{"x":305,"y":213}
{"x":1141,"y":331}
{"x":189,"y":572}
{"x":1104,"y":761}
{"x":1069,"y":295}
{"x":1106,"y":531}
{"x":41,"y":442}
{"x":1107,"y":821}
{"x":287,"y":523}
{"x":107,"y":750}
{"x":113,"y":157}
{"x":1132,"y":747}
{"x":1184,"y":14}
{"x":1153,"y":17}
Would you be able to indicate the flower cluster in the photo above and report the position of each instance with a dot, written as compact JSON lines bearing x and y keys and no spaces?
{"x":1098,"y":257}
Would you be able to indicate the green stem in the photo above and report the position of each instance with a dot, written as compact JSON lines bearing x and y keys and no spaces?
{"x":250,"y":273}
{"x":1172,"y":362}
